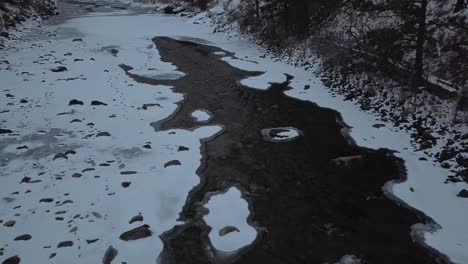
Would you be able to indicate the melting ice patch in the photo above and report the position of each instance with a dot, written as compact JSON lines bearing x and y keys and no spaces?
{"x":281,"y":134}
{"x":227,"y":217}
{"x":201,"y":116}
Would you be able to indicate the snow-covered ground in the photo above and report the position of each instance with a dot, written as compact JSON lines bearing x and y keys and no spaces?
{"x":79,"y":195}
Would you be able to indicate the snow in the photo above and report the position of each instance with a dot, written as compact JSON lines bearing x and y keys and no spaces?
{"x":229,"y":209}
{"x":202,"y":116}
{"x":156,"y":192}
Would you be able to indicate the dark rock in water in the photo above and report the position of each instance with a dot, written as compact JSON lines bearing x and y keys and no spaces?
{"x":463,"y":194}
{"x":77,"y":175}
{"x":52,"y":255}
{"x":136,"y":233}
{"x":22,"y":147}
{"x":75,"y":102}
{"x":378,"y":125}
{"x":169,"y":10}
{"x":97,"y":103}
{"x":23,"y":101}
{"x":9,"y":223}
{"x":137,"y":218}
{"x":5,"y":131}
{"x":12,"y":260}
{"x":65,"y":244}
{"x":23,"y":237}
{"x":4,"y":34}
{"x":75,"y":121}
{"x":77,"y":40}
{"x":110,"y":255}
{"x":172,"y":163}
{"x":103,"y":134}
{"x":228,"y":229}
{"x":126,"y":184}
{"x":59,"y":69}
{"x":183,"y":148}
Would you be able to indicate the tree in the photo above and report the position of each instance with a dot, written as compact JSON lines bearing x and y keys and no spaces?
{"x":459,"y":6}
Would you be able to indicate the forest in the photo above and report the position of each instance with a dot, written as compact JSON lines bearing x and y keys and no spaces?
{"x":422,"y":44}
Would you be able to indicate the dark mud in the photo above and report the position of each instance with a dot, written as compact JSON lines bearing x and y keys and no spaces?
{"x":310,"y":205}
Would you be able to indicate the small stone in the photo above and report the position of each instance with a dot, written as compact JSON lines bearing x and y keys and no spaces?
{"x":12,"y":260}
{"x":110,"y":255}
{"x":97,"y":215}
{"x":228,"y":229}
{"x":46,"y":200}
{"x":77,"y":40}
{"x":103,"y":134}
{"x":9,"y":223}
{"x":26,"y":180}
{"x":128,"y":172}
{"x":75,"y":102}
{"x":136,"y":233}
{"x":126,"y":184}
{"x":114,"y":52}
{"x":137,"y":218}
{"x":463,"y":194}
{"x":147,"y":146}
{"x":183,"y":148}
{"x":90,"y":241}
{"x":77,"y":175}
{"x":65,"y":244}
{"x":59,"y":69}
{"x":97,"y":103}
{"x":60,"y":156}
{"x":172,"y":163}
{"x":23,"y":237}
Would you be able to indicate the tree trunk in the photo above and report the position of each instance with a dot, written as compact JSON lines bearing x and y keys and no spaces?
{"x":421,"y":38}
{"x":257,"y":9}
